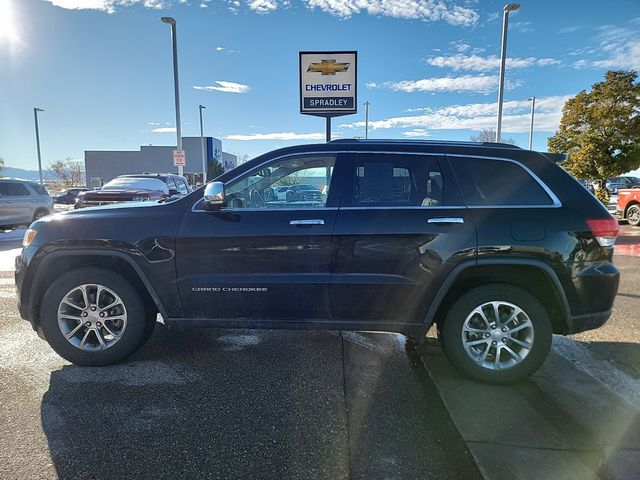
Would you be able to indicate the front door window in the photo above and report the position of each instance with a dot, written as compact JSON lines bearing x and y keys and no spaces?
{"x":298,"y":183}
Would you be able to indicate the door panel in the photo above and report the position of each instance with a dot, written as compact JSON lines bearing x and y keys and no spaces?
{"x":388,"y":254}
{"x":255,"y":264}
{"x":263,"y":257}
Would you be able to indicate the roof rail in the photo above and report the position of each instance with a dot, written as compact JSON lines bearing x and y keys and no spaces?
{"x":425,"y":142}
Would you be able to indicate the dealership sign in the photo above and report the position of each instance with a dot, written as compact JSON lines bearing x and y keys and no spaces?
{"x":328,"y":85}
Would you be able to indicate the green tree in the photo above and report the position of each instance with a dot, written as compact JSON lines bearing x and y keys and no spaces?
{"x":600,"y":129}
{"x":214,"y":169}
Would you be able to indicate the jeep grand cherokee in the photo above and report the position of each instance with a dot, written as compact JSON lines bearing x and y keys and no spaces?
{"x":497,"y":246}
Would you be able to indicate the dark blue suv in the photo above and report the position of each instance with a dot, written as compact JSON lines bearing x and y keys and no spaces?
{"x":497,"y":246}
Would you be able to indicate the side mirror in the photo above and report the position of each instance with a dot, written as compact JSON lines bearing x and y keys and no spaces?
{"x":214,"y":195}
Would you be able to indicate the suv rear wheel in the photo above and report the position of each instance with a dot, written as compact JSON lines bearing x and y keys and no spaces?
{"x":497,"y":333}
{"x":93,"y":316}
{"x":41,"y":212}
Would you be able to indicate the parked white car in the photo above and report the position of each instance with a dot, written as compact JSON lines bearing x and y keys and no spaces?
{"x":22,"y":202}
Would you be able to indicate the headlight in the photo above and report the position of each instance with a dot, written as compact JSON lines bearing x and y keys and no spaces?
{"x":29,"y":235}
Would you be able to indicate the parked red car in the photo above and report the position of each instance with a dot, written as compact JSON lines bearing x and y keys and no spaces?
{"x":135,"y":188}
{"x":629,"y":205}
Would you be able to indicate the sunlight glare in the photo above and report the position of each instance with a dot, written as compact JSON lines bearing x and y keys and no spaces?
{"x":8,"y":25}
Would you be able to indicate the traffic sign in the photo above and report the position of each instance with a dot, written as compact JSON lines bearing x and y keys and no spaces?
{"x":179,"y":158}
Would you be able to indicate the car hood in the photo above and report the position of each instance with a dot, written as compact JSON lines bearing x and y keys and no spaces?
{"x":117,"y":193}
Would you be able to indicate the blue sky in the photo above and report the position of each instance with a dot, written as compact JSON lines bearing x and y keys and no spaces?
{"x":102,"y":69}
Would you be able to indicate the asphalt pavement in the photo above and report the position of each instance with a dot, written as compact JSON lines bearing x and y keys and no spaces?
{"x":264,"y":404}
{"x":227,"y":404}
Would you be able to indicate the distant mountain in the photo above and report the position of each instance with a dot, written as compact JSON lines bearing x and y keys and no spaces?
{"x":25,"y":174}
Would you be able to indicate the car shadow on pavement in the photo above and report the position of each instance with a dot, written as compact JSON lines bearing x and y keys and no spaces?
{"x":253,"y":404}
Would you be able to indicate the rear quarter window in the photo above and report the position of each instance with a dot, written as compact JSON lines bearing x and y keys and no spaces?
{"x":486,"y":182}
{"x":39,"y":189}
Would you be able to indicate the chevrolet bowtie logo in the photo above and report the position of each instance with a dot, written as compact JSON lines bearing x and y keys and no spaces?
{"x":328,"y":67}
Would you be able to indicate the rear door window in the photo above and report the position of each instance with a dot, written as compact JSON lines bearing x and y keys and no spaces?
{"x":17,"y":190}
{"x":397,"y":180}
{"x":487,"y":182}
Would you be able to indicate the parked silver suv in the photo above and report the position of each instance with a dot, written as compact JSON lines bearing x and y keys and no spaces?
{"x":22,"y":202}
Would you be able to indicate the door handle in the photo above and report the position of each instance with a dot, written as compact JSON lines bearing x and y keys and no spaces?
{"x":446,"y":220}
{"x":307,"y":222}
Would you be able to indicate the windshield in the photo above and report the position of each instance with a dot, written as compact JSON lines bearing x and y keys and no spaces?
{"x":132,"y":183}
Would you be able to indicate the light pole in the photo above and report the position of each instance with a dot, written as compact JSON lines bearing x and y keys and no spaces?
{"x":171,"y":21}
{"x":503,"y":57}
{"x":204,"y":159}
{"x":366,"y":119}
{"x":35,"y":117}
{"x":533,"y":112}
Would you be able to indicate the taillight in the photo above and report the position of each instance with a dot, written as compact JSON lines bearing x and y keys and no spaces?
{"x":605,"y":230}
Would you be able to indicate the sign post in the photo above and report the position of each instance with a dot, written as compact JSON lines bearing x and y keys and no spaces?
{"x":179,"y":158}
{"x":328,"y":85}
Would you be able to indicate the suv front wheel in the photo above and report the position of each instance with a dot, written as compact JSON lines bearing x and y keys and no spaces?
{"x":93,"y":316}
{"x":496,"y":333}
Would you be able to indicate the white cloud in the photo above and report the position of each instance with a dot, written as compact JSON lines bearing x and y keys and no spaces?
{"x":476,"y":116}
{"x":164,"y":130}
{"x":276,"y":136}
{"x":428,"y":10}
{"x":221,"y":49}
{"x":522,"y":27}
{"x":418,"y":132}
{"x":468,"y":83}
{"x":478,"y":63}
{"x":619,"y":47}
{"x":460,"y":46}
{"x":107,"y":5}
{"x":263,"y":6}
{"x":569,"y":29}
{"x":223,"y":86}
{"x":626,"y":55}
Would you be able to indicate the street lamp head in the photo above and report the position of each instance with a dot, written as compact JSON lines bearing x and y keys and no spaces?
{"x":510,"y":7}
{"x":530,"y":99}
{"x":201,"y":106}
{"x":38,"y":109}
{"x":171,"y":20}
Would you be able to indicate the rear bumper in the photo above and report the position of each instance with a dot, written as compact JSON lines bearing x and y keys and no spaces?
{"x":596,"y":289}
{"x":589,"y":321}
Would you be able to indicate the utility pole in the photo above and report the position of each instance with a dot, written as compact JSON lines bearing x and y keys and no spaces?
{"x":35,"y":116}
{"x":533,"y":111}
{"x":503,"y":57}
{"x":366,"y":119}
{"x":204,"y":158}
{"x":171,"y":21}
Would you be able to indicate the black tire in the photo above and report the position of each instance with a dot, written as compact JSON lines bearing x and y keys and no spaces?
{"x":140,"y":321}
{"x":39,"y":213}
{"x":532,"y":358}
{"x":633,"y":215}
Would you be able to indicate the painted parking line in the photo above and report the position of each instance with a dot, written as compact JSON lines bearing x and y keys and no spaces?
{"x":604,"y":371}
{"x":628,"y":250}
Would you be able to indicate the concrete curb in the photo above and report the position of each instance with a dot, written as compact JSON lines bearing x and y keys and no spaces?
{"x":560,"y":424}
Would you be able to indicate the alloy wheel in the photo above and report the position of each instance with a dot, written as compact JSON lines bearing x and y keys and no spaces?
{"x":92,"y":317}
{"x":497,"y":335}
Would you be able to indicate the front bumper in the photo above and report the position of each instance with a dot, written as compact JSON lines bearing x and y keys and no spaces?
{"x":23,"y":306}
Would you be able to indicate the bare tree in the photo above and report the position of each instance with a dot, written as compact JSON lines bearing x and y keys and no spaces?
{"x":1,"y":164}
{"x":69,"y":172}
{"x":489,"y":135}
